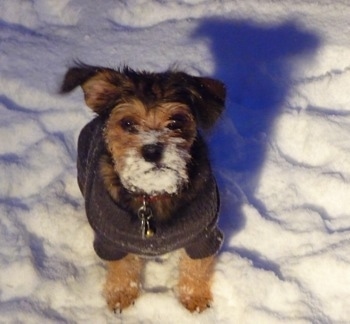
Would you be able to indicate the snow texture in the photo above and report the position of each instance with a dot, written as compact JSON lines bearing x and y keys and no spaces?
{"x":281,"y":154}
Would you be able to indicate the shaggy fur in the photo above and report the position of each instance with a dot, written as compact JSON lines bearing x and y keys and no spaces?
{"x":151,"y":132}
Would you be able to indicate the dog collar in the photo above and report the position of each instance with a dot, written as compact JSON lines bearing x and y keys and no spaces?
{"x":153,"y":198}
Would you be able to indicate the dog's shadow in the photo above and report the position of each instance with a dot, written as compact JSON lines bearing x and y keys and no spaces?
{"x":255,"y":62}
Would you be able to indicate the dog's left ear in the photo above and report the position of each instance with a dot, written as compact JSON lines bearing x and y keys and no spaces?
{"x":209,"y":102}
{"x":101,"y":86}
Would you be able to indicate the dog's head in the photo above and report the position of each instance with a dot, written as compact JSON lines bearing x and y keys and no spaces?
{"x":151,"y":121}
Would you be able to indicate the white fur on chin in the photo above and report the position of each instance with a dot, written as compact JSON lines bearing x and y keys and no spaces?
{"x":168,"y":176}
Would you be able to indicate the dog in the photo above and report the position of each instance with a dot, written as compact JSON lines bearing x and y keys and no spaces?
{"x":144,"y":171}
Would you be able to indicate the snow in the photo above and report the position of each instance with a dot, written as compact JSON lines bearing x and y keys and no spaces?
{"x":281,"y":155}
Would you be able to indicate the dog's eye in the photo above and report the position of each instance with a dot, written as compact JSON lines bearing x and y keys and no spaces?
{"x":177,"y":122}
{"x":128,"y":124}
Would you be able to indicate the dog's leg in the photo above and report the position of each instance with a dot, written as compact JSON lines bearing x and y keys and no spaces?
{"x":123,"y":282}
{"x":194,"y":285}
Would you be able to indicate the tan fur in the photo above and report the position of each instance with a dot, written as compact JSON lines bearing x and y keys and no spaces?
{"x":123,"y":282}
{"x":122,"y":285}
{"x":194,"y":286}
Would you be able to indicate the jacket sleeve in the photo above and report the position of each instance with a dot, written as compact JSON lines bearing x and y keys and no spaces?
{"x":107,"y":250}
{"x":206,"y":244}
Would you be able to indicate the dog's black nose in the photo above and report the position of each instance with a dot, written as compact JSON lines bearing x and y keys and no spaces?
{"x":152,"y":152}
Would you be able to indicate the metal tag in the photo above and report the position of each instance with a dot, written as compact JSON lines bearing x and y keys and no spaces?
{"x":145,"y":214}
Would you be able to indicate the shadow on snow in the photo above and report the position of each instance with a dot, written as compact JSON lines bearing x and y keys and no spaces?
{"x":256,"y":64}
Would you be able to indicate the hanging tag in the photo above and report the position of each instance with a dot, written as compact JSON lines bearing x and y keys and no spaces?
{"x":145,"y":214}
{"x":148,"y":230}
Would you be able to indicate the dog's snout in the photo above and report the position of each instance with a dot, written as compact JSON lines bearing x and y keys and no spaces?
{"x":152,"y":152}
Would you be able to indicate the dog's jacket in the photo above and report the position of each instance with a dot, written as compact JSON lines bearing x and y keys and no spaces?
{"x":118,"y":232}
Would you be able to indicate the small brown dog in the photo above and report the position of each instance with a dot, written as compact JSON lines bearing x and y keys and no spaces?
{"x":144,"y":172}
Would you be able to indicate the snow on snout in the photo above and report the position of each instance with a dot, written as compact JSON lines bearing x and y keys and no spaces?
{"x":166,"y":176}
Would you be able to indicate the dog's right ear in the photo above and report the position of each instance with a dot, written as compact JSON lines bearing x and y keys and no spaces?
{"x":100,"y":85}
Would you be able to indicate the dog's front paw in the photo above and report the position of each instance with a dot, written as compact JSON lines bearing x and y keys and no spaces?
{"x":195,"y":299}
{"x":119,"y":298}
{"x":123,"y":282}
{"x":194,"y":287}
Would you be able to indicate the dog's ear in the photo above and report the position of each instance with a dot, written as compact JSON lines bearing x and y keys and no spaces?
{"x":209,"y":103}
{"x":100,"y":85}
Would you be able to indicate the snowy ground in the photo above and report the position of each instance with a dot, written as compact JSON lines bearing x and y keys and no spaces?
{"x":281,"y":153}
